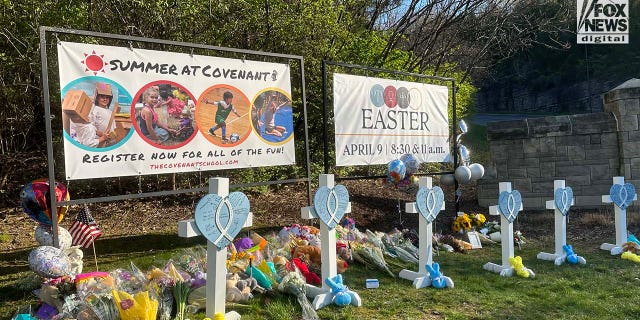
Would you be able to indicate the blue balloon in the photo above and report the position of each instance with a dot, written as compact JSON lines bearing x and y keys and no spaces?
{"x":396,"y":170}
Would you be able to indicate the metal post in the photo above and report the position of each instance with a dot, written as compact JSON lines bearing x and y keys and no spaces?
{"x":325,"y":144}
{"x":47,"y":122}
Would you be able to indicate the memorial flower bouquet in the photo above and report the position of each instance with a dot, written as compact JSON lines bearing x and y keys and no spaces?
{"x":467,"y":222}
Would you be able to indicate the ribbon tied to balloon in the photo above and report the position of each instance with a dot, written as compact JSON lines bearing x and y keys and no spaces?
{"x":509,"y":204}
{"x":221,"y":219}
{"x":622,"y":194}
{"x":429,"y":202}
{"x":563,"y":198}
{"x":331,"y":204}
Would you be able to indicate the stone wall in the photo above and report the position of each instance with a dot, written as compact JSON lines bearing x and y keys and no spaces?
{"x":586,"y":150}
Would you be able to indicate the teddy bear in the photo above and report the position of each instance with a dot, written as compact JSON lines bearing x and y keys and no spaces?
{"x":235,"y":294}
{"x":75,"y":257}
{"x":312,"y":256}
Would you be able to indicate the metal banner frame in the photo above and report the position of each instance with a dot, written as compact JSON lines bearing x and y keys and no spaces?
{"x":44,"y":30}
{"x":325,"y":138}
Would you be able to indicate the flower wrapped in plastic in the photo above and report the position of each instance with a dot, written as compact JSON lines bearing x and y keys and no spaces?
{"x":139,"y":306}
{"x":102,"y":306}
{"x":162,"y":284}
{"x":370,"y":256}
{"x":191,"y":260}
{"x":294,"y":283}
{"x":131,"y":281}
{"x":93,"y":283}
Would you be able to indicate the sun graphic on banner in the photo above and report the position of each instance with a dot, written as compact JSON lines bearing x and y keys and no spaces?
{"x":94,"y":62}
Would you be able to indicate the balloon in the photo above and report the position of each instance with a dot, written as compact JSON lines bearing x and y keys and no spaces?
{"x":463,"y":174}
{"x":396,"y":171}
{"x":35,"y":200}
{"x":44,"y":236}
{"x":447,"y":179}
{"x":49,"y":262}
{"x":464,"y":154}
{"x":477,"y":171}
{"x":411,"y":163}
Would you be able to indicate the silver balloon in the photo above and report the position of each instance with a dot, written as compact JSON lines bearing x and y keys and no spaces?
{"x":49,"y":262}
{"x":463,"y":127}
{"x":447,"y":179}
{"x":464,"y":153}
{"x":44,"y":236}
{"x":463,"y":174}
{"x":477,"y":171}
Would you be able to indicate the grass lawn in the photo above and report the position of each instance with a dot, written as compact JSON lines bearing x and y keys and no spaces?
{"x":606,"y":288}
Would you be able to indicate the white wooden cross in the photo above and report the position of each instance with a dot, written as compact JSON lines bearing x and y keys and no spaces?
{"x":323,"y":296}
{"x":560,"y":224}
{"x":216,"y":287}
{"x":506,"y":235}
{"x":620,"y":216}
{"x":421,"y":278}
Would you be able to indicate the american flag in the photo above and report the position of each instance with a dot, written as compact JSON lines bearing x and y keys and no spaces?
{"x":84,"y":229}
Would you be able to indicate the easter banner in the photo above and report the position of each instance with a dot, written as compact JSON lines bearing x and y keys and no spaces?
{"x":379,"y":120}
{"x":128,"y":111}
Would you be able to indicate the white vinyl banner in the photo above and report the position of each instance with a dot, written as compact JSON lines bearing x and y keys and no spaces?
{"x":130,"y":111}
{"x":379,"y":120}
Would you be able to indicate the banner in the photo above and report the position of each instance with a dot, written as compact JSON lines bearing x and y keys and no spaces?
{"x":379,"y":120}
{"x":130,"y":111}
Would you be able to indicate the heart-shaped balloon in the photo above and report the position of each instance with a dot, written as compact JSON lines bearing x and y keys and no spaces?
{"x":563,"y":198}
{"x":220,"y":219}
{"x":509,"y":204}
{"x":429,"y":202}
{"x":622,"y":194}
{"x":331,"y":204}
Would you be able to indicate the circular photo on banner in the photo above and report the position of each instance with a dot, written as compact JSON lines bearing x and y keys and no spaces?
{"x":163,"y":114}
{"x":95,"y":113}
{"x":272,"y":116}
{"x":222,"y":113}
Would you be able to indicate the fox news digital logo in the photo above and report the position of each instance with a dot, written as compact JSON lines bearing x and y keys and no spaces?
{"x":603,"y":21}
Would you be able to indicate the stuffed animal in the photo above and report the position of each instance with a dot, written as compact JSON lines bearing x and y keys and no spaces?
{"x":235,"y":294}
{"x":312,"y":254}
{"x":630,"y":256}
{"x":307,"y":253}
{"x":572,"y":257}
{"x":309,"y":276}
{"x":75,"y":258}
{"x":631,"y":247}
{"x":341,"y":296}
{"x":343,"y":251}
{"x":438,"y":280}
{"x":518,"y":266}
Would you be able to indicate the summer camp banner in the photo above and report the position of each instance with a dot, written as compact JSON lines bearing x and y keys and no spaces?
{"x":379,"y":120}
{"x":130,"y":111}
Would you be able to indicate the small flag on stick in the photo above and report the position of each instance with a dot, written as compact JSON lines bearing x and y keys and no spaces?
{"x":84,"y":229}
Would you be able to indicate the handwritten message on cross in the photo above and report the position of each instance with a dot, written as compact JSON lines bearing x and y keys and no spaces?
{"x":219,"y":217}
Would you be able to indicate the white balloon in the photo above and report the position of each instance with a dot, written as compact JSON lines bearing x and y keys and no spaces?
{"x":447,"y":179}
{"x":463,"y":174}
{"x":44,"y":237}
{"x":477,"y":171}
